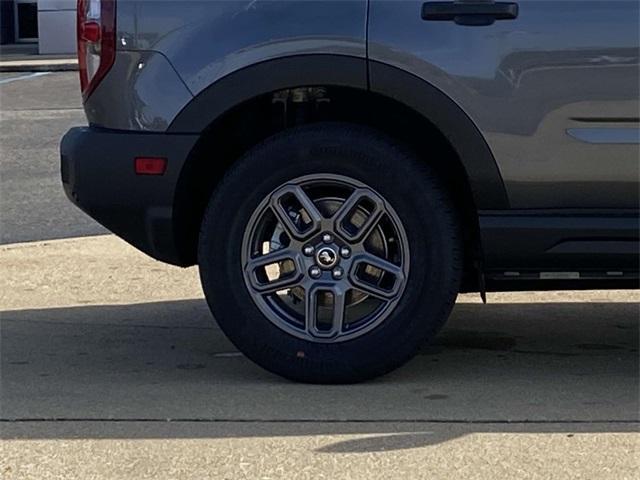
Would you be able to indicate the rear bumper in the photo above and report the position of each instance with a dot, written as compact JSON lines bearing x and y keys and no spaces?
{"x":97,"y":169}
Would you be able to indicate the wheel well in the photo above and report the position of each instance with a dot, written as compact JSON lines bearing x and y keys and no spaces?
{"x":228,"y":137}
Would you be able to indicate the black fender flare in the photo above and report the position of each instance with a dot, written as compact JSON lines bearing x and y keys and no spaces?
{"x":265,"y":77}
{"x":346,"y":71}
{"x":464,"y":136}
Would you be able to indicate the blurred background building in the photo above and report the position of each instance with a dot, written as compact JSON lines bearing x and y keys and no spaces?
{"x":47,"y":25}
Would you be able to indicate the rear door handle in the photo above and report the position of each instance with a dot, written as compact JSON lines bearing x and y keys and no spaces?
{"x":472,"y":13}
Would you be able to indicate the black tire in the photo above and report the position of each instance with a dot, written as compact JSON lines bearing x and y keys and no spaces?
{"x":408,"y":184}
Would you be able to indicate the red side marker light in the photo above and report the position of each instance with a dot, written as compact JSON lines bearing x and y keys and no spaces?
{"x":150,"y":165}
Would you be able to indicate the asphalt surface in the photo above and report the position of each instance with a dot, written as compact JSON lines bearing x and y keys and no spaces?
{"x":35,"y":111}
{"x":112,"y":367}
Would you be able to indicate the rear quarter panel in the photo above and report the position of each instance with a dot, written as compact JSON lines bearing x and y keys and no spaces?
{"x":206,"y":40}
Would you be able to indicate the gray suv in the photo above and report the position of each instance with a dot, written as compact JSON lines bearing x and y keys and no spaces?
{"x":341,"y":170}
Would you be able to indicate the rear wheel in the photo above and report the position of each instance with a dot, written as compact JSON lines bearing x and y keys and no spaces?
{"x":329,"y":254}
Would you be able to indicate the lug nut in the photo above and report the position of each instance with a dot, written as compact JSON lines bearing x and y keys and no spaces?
{"x":308,"y":250}
{"x":337,"y":273}
{"x":327,"y":238}
{"x":315,"y":272}
{"x":345,"y":252}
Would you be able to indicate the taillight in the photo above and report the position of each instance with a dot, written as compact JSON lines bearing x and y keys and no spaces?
{"x":96,"y":30}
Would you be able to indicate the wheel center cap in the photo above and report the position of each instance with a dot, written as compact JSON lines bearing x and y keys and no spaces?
{"x":326,"y":257}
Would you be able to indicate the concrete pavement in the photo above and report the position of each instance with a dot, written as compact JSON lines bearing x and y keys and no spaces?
{"x":35,"y":111}
{"x":39,"y":65}
{"x":321,"y":451}
{"x":112,"y":368}
{"x":25,"y":58}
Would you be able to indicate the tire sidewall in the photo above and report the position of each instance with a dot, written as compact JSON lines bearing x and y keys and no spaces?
{"x":411,"y":190}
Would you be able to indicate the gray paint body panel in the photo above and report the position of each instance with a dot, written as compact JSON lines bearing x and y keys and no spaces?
{"x":186,"y":46}
{"x":141,"y":92}
{"x":206,"y":41}
{"x":524,"y":82}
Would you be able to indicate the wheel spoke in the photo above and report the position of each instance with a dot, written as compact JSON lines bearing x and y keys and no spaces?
{"x":360,"y":197}
{"x":353,"y":260}
{"x":296,"y":211}
{"x":259,"y":268}
{"x":384,"y":286}
{"x":323,"y":327}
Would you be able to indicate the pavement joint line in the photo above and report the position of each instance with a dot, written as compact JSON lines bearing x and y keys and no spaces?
{"x":317,"y":420}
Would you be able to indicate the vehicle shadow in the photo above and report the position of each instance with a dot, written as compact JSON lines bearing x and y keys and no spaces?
{"x":164,"y":370}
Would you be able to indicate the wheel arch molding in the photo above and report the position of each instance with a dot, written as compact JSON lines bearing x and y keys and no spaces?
{"x":446,"y":115}
{"x":387,"y":81}
{"x":266,"y":77}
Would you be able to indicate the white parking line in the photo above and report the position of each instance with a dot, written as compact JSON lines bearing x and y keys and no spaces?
{"x":227,"y":354}
{"x":23,"y":77}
